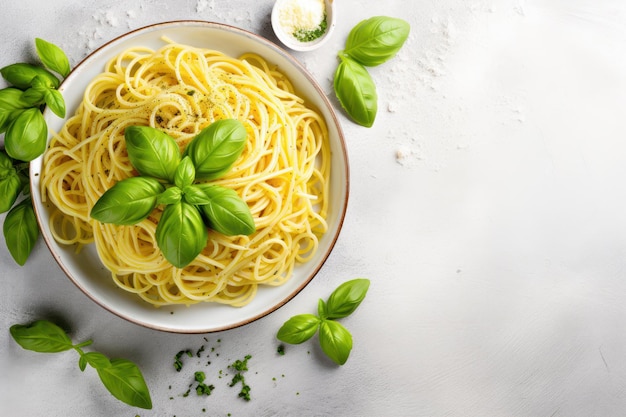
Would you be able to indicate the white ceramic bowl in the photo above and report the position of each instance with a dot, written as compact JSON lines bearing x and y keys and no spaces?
{"x":291,"y":42}
{"x":86,"y":270}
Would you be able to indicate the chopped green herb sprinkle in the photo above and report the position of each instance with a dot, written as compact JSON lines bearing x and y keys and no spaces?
{"x":199,"y":352}
{"x":308,"y":35}
{"x":281,"y":349}
{"x":241,"y":366}
{"x":178,"y":363}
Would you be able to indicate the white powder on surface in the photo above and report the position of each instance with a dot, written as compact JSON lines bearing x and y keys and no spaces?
{"x":202,"y":5}
{"x":301,"y":14}
{"x":408,"y":157}
{"x":433,"y":63}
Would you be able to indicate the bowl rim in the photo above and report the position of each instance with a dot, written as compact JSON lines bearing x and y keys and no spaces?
{"x":35,"y":169}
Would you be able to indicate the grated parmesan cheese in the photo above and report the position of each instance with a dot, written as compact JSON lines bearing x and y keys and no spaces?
{"x":301,"y":15}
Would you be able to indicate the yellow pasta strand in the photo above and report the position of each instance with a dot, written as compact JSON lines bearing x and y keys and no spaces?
{"x":282,"y":174}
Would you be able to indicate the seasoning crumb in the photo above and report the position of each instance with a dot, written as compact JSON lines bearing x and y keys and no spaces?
{"x":281,"y":350}
{"x":199,"y":352}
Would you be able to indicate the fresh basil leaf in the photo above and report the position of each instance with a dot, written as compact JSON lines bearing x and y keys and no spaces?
{"x":185,"y":173}
{"x":125,"y":382}
{"x":41,"y":336}
{"x":96,"y":360}
{"x":82,"y":363}
{"x":356,"y":91}
{"x":10,"y":183}
{"x":34,"y":96}
{"x":10,"y":187}
{"x":40,"y":82}
{"x":54,"y":100}
{"x":25,"y":138}
{"x":152,"y":152}
{"x":25,"y":181}
{"x":21,"y":75}
{"x":128,"y":202}
{"x":377,"y":39}
{"x":335,"y":340}
{"x":11,"y":105}
{"x":170,"y":196}
{"x":226,"y":212}
{"x":11,"y":99}
{"x":195,"y":196}
{"x":4,"y":116}
{"x":322,"y":310}
{"x":181,"y":234}
{"x":52,"y":57}
{"x":298,"y":329}
{"x":346,"y":298}
{"x":216,"y":148}
{"x":21,"y":231}
{"x":6,"y":166}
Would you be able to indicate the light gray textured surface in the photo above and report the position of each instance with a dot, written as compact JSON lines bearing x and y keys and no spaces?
{"x":486,"y":207}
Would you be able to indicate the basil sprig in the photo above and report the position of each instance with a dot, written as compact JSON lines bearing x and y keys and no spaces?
{"x":32,"y":87}
{"x":121,"y":377}
{"x":169,"y":178}
{"x":370,"y":43}
{"x":335,"y":340}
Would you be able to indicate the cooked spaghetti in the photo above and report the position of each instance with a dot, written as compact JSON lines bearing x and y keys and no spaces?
{"x":282,"y":174}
